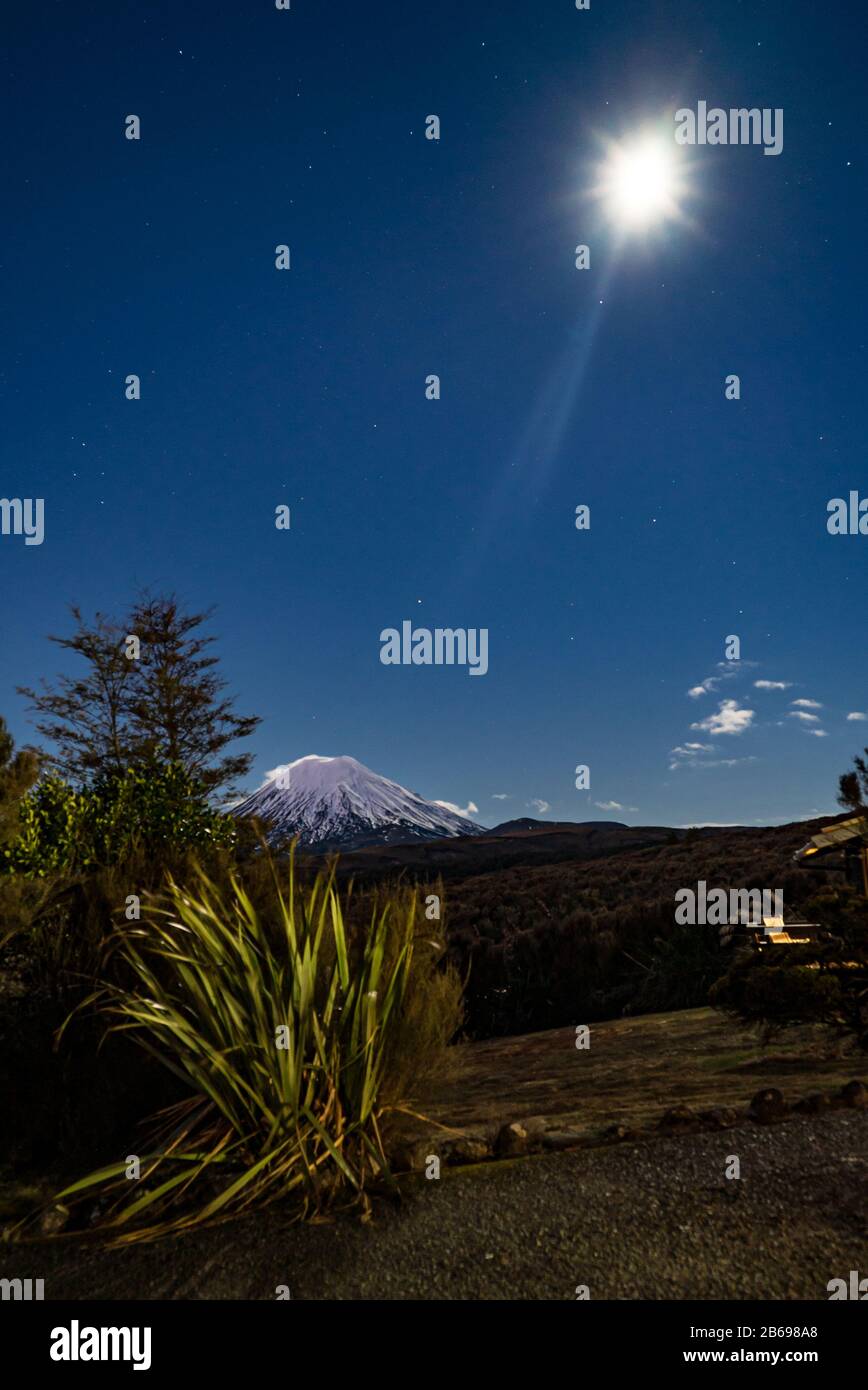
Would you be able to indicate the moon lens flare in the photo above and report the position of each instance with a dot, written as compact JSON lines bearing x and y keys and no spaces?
{"x":640,"y":182}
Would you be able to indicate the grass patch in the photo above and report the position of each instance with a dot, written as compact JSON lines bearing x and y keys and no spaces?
{"x":729,"y":1061}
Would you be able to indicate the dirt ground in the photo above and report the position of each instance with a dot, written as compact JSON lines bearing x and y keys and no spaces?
{"x":632,"y":1070}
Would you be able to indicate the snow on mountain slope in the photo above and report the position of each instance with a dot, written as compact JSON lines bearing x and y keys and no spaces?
{"x":337,"y":803}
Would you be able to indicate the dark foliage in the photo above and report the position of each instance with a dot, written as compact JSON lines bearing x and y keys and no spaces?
{"x":853,"y":786}
{"x":177,"y":708}
{"x":84,"y":716}
{"x":166,"y":703}
{"x":824,"y":982}
{"x":18,"y":772}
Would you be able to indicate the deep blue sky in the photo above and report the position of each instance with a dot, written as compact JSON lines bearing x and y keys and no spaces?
{"x":411,"y":257}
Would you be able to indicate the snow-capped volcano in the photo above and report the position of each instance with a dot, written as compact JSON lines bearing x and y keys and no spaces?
{"x":337,"y":803}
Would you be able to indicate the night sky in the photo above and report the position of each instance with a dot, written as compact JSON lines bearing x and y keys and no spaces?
{"x":559,"y":387}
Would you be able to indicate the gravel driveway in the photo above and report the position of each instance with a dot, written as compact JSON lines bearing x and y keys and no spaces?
{"x":656,"y":1219}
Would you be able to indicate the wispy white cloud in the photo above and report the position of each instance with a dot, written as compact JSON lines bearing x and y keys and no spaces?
{"x":708,"y":825}
{"x":469,"y":810}
{"x":696,"y":755}
{"x":539,"y":805}
{"x":729,"y":718}
{"x":726,"y":671}
{"x":857,"y":714}
{"x":818,"y":733}
{"x":807,"y":704}
{"x":805,"y":718}
{"x":710,"y":762}
{"x":772,"y":685}
{"x":500,"y":796}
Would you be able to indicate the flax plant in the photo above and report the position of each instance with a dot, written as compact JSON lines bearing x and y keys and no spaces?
{"x":282,"y":1023}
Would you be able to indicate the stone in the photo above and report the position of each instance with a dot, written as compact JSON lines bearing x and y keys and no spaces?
{"x":854,"y":1095}
{"x":536,"y":1126}
{"x":721,"y":1117}
{"x":812,"y":1104}
{"x":768,"y":1106}
{"x":557,"y":1139}
{"x":677,"y":1116}
{"x":512,"y":1141}
{"x":463,"y":1148}
{"x":409,"y":1156}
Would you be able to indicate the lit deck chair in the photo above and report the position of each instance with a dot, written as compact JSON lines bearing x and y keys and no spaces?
{"x":776,"y":932}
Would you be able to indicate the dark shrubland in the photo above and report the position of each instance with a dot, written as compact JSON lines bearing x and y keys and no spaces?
{"x":581,"y":941}
{"x":824,"y":982}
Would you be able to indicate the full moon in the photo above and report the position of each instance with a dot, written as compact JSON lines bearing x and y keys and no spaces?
{"x":639,"y":182}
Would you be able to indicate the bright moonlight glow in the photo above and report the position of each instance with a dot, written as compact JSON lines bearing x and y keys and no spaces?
{"x":640,"y":183}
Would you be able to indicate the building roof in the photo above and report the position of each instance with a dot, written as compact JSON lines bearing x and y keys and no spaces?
{"x":833,"y":836}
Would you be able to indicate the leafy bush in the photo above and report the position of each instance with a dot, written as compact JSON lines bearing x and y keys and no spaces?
{"x":18,"y":772}
{"x":147,"y":808}
{"x":51,"y":818}
{"x":296,"y":1036}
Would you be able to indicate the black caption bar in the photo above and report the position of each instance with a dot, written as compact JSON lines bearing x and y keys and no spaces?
{"x":148,"y":1338}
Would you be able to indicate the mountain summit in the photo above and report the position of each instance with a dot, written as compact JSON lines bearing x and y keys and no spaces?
{"x":338,"y":804}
